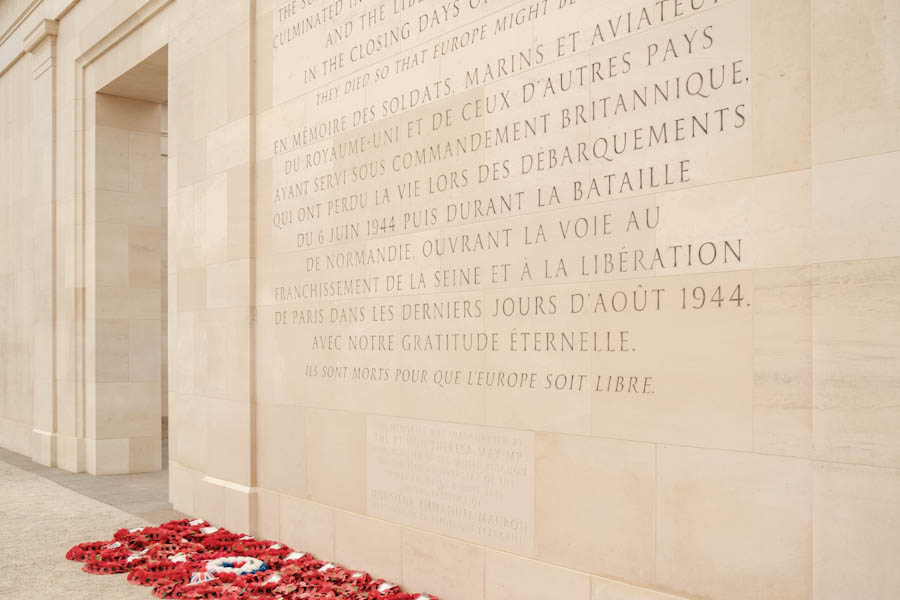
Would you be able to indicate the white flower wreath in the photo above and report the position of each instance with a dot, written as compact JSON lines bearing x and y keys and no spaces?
{"x":226,"y":564}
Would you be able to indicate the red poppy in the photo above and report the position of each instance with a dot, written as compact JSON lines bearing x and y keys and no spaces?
{"x":174,"y":559}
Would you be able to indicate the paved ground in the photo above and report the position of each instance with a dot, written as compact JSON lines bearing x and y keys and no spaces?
{"x":145,"y":495}
{"x":44,"y":512}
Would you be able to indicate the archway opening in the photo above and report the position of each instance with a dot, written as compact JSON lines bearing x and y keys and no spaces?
{"x":128,"y":430}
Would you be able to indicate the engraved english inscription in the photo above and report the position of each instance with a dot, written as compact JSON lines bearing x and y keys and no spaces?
{"x":473,"y":483}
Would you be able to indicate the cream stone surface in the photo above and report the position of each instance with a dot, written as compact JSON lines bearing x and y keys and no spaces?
{"x":857,"y":115}
{"x":336,"y":459}
{"x":267,"y":513}
{"x":509,"y":577}
{"x":126,"y":287}
{"x":606,"y":589}
{"x":855,"y":414}
{"x":595,"y":505}
{"x":854,"y":212}
{"x":735,"y":525}
{"x":308,"y":526}
{"x":781,"y":88}
{"x":519,"y":299}
{"x":853,"y":525}
{"x":445,"y":566}
{"x":281,"y":455}
{"x":369,"y":544}
{"x":782,"y":362}
{"x":17,"y":224}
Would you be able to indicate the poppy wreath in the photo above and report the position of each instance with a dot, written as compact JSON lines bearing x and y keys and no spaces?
{"x":192,"y":560}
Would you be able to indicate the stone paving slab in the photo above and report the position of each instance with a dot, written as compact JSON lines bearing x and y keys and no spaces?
{"x":39,"y":521}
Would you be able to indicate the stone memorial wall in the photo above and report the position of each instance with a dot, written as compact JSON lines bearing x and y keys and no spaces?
{"x":474,"y":219}
{"x":535,"y":299}
{"x":496,"y":237}
{"x":549,"y":259}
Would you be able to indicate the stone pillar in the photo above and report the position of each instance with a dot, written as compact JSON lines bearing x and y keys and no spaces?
{"x":41,"y":44}
{"x":211,"y":331}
